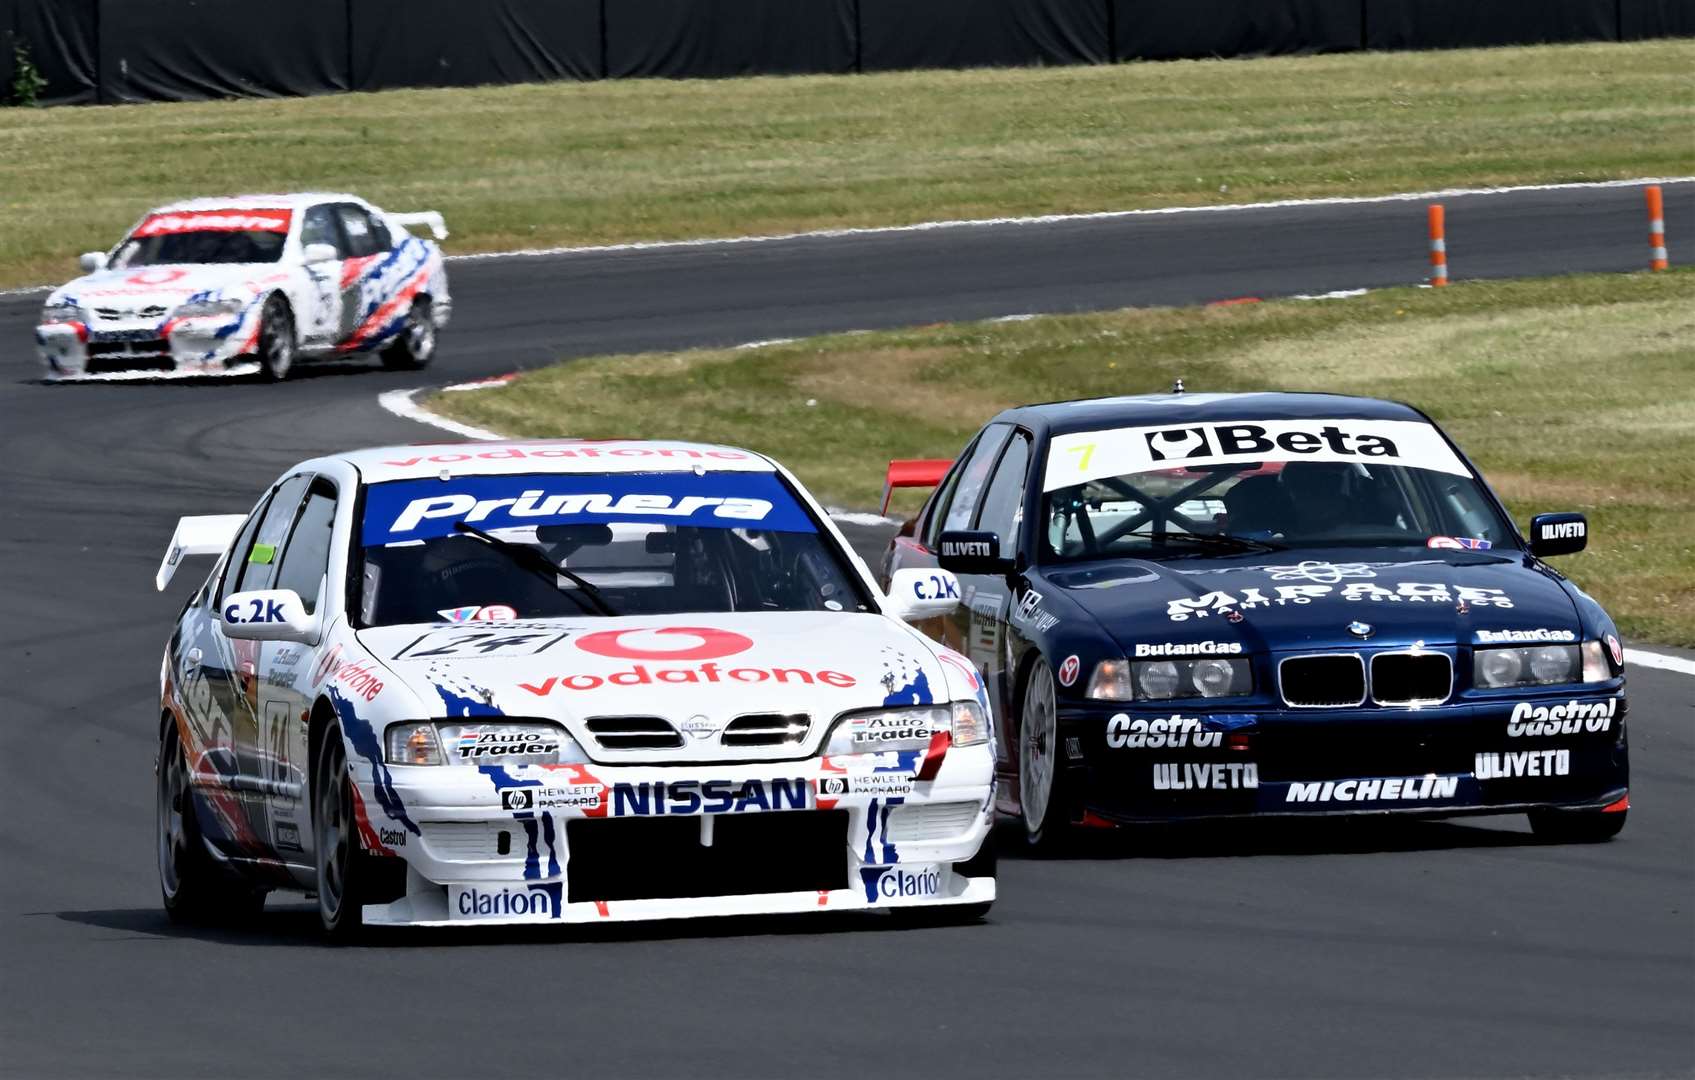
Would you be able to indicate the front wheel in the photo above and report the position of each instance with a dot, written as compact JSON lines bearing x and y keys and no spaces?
{"x":336,"y":841}
{"x":276,"y":340}
{"x":1043,"y":814}
{"x":1576,"y":826}
{"x":417,"y":341}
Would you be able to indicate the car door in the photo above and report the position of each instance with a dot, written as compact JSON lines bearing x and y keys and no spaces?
{"x":368,"y":240}
{"x":996,"y":601}
{"x":322,"y":326}
{"x":254,"y":567}
{"x":284,"y":703}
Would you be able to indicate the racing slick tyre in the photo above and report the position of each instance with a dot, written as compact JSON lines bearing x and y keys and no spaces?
{"x":347,"y":876}
{"x":195,"y":889}
{"x":1576,"y":826}
{"x":417,"y":341}
{"x":276,"y":340}
{"x":1042,"y":805}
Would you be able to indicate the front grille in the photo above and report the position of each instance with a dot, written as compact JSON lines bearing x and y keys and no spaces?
{"x":1322,"y":751}
{"x":634,"y":733}
{"x":111,"y":314}
{"x":474,"y":841}
{"x":766,"y":729}
{"x":1422,"y":678}
{"x":663,"y":858}
{"x":103,"y":359}
{"x":913,"y":822}
{"x":1326,"y":681}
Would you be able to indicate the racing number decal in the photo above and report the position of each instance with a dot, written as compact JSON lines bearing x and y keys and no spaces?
{"x":1084,"y":452}
{"x":484,"y":643}
{"x":274,"y":770}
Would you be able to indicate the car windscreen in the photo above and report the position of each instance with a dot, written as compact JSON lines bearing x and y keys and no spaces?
{"x":205,"y":236}
{"x":1194,"y":489}
{"x":481,"y":548}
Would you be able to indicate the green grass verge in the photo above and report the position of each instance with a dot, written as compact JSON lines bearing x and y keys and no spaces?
{"x":575,"y":163}
{"x":1571,"y":393}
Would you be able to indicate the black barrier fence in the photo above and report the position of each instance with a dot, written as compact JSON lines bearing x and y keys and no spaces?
{"x":111,"y":51}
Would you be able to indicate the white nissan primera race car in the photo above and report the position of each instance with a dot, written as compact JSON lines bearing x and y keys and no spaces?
{"x":565,"y":681}
{"x":217,"y":285}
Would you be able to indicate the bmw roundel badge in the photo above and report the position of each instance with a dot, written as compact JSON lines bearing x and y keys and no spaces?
{"x":1360,"y":629}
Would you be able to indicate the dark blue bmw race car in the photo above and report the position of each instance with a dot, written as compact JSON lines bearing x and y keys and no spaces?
{"x":1205,"y":605}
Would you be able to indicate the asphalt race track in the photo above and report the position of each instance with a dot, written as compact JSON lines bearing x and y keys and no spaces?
{"x":1304,"y":949}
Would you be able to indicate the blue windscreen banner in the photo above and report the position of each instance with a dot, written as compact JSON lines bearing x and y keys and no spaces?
{"x":406,"y":510}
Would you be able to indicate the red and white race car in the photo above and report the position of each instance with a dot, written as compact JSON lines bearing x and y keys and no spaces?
{"x":214,"y":286}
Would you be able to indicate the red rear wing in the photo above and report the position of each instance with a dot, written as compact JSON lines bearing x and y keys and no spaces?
{"x":926,"y":472}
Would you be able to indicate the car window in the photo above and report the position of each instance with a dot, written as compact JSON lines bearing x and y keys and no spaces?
{"x":307,"y":558}
{"x":319,"y":226}
{"x":236,"y":560}
{"x":962,"y":501}
{"x":259,"y":560}
{"x":363,"y":236}
{"x":1003,"y":502}
{"x":584,"y":544}
{"x":204,"y":237}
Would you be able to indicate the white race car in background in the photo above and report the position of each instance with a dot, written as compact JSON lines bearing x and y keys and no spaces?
{"x":564,"y":681}
{"x":206,"y":286}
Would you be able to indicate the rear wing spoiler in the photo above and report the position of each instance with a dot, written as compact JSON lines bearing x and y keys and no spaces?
{"x":208,"y":535}
{"x":918,"y":472}
{"x":429,"y":219}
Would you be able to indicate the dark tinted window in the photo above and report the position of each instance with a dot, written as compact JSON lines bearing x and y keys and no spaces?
{"x":259,"y":560}
{"x":1004,"y":501}
{"x":308,"y":556}
{"x":238,"y":550}
{"x":319,"y":227}
{"x":971,"y":476}
{"x":364,"y":237}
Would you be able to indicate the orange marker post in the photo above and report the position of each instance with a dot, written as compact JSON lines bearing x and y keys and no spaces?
{"x":1438,"y":246}
{"x":1656,"y":228}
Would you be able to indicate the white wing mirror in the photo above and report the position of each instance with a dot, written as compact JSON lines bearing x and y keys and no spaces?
{"x":320,"y":253}
{"x":267,"y":615}
{"x":916,"y":594}
{"x":92,"y":261}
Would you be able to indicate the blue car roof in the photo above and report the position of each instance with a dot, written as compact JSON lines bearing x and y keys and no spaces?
{"x":1144,"y":410}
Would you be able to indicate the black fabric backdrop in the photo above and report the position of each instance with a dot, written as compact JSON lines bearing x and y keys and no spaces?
{"x":184,"y":50}
{"x":715,"y":38}
{"x":140,"y":50}
{"x":60,"y":35}
{"x":1656,"y":18}
{"x":473,"y":43}
{"x":1163,"y":30}
{"x":897,"y":34}
{"x":1430,"y":24}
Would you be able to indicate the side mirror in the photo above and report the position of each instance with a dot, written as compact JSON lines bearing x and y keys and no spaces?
{"x":973,"y":553}
{"x":267,"y":615}
{"x":916,"y":594}
{"x":320,"y":253}
{"x":1558,"y":534}
{"x":92,"y":261}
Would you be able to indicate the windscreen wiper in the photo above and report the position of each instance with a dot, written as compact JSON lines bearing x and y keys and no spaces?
{"x":531,"y":559}
{"x":1241,"y":543}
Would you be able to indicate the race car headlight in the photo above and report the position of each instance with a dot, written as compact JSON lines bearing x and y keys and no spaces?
{"x":1162,"y":680}
{"x":195,"y":309}
{"x":61,"y":312}
{"x":907,"y":729}
{"x":970,"y":726}
{"x":1595,"y":667}
{"x":491,"y":742}
{"x":1538,"y":665}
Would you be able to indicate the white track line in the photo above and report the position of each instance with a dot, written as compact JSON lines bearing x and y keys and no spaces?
{"x":1642,"y":658}
{"x":1040,"y":219}
{"x":400,"y":403}
{"x":1055,"y":219}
